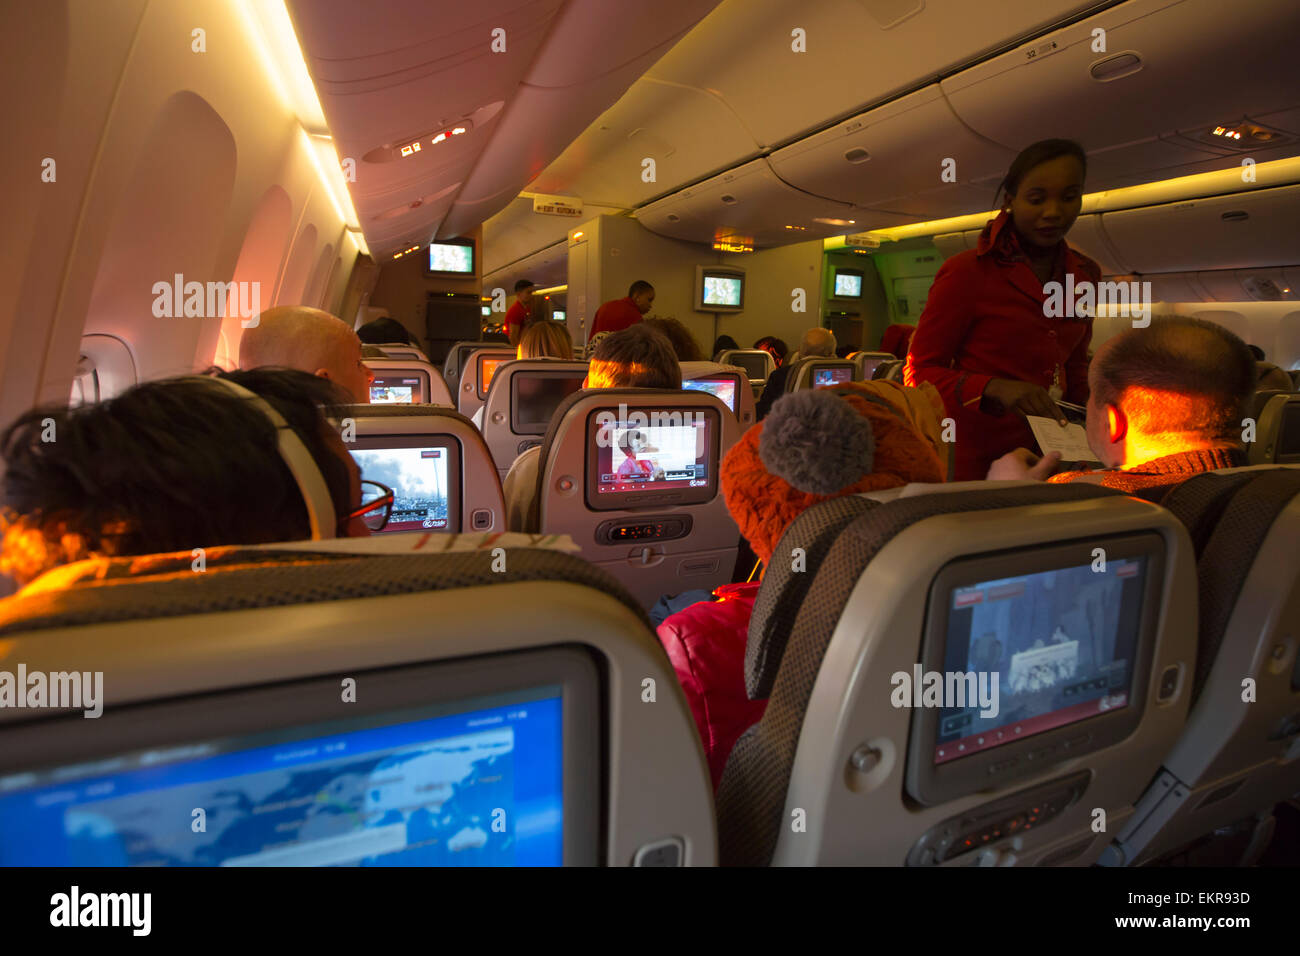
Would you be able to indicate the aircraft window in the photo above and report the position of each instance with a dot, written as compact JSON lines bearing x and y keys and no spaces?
{"x":85,"y":387}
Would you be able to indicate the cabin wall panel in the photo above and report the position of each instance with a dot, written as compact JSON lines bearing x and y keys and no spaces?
{"x":106,"y":72}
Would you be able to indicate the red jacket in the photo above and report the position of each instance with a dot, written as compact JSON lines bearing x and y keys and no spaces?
{"x":984,"y":319}
{"x":615,"y":316}
{"x":706,"y":643}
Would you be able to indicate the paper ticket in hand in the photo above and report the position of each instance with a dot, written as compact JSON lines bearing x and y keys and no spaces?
{"x":1071,"y":441}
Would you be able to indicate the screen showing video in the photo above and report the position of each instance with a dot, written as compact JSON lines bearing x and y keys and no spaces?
{"x":869,"y":367}
{"x":535,"y":399}
{"x":723,"y":388}
{"x":475,"y":782}
{"x":451,"y":257}
{"x":396,"y":390}
{"x":636,"y":457}
{"x":848,"y":285}
{"x":722,"y":290}
{"x":418,"y":477}
{"x":822,"y":377}
{"x":1045,"y":650}
{"x":487,"y":367}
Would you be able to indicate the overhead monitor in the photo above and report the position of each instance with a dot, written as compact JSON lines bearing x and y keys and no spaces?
{"x":1029,"y":658}
{"x":721,"y":386}
{"x":558,"y":315}
{"x":651,"y":456}
{"x":486,"y":310}
{"x":825,"y":376}
{"x":453,"y":257}
{"x":462,"y":763}
{"x":535,"y":394}
{"x":403,"y":388}
{"x":424,"y":472}
{"x":848,"y":284}
{"x":719,"y":289}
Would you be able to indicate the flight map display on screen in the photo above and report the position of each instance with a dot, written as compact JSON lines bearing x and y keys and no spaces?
{"x":477,"y":787}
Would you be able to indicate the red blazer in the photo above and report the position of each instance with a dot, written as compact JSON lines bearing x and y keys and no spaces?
{"x":615,"y":316}
{"x":984,"y":319}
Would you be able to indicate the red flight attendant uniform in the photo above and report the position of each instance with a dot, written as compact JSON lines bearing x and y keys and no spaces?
{"x":983,"y":320}
{"x":518,"y":315}
{"x":615,"y":316}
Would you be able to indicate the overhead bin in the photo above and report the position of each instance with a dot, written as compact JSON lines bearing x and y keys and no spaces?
{"x":1242,"y":231}
{"x":1162,"y":71}
{"x":1088,"y":237}
{"x":750,"y":204}
{"x":893,"y":159}
{"x":590,"y":58}
{"x":653,"y":120}
{"x":858,"y":52}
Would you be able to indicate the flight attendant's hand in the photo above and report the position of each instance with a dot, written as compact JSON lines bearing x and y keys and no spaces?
{"x":1022,"y":465}
{"x":1023,"y":397}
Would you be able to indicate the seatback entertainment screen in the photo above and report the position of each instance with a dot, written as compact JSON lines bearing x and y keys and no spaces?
{"x":396,"y":390}
{"x":410,"y":788}
{"x":423,"y":483}
{"x":1059,"y":646}
{"x":652,"y":456}
{"x":487,"y":367}
{"x":536,"y":395}
{"x":724,"y":388}
{"x":823,"y":377}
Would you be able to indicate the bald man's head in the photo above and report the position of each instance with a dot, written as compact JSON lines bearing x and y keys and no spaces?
{"x":817,"y":343}
{"x":1179,"y":384}
{"x":310,"y":340}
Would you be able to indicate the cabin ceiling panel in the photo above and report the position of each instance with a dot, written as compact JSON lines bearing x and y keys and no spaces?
{"x":1192,"y":67}
{"x":391,"y":71}
{"x":749,"y":204}
{"x":743,"y":52}
{"x":897,"y":157}
{"x":689,"y":133}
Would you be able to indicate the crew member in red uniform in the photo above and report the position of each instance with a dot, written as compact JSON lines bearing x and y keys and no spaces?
{"x":521,"y":313}
{"x":617,"y":314}
{"x":986,"y":338}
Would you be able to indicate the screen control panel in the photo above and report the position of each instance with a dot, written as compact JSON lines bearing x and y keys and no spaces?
{"x":984,"y":826}
{"x":650,"y":528}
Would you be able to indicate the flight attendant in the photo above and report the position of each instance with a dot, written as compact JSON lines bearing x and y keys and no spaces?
{"x":986,"y":339}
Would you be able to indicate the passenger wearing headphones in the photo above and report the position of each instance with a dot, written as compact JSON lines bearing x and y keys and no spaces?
{"x":182,"y":463}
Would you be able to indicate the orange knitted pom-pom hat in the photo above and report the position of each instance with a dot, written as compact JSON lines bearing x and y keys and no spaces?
{"x":821,"y":444}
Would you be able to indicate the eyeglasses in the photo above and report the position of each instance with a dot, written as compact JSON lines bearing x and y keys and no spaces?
{"x":376,"y":505}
